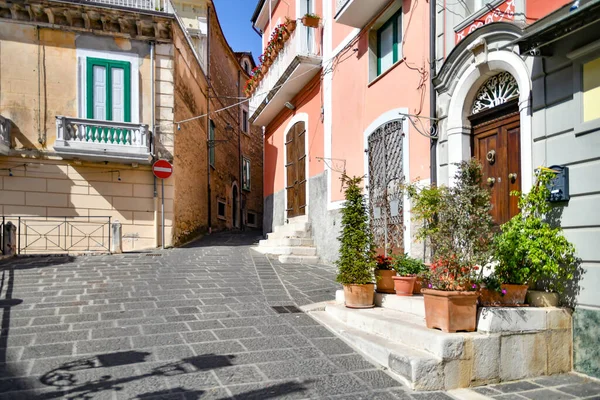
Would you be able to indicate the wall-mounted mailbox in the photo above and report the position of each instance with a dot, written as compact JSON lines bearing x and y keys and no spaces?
{"x":559,"y":186}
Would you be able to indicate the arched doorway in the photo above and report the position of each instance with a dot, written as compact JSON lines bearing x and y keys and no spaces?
{"x":234,"y":205}
{"x":495,"y":142}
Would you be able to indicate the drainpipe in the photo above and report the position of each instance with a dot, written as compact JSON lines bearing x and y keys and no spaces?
{"x":264,"y":169}
{"x":153,"y":137}
{"x":432,"y":96}
{"x":208,"y":188}
{"x":240,"y":188}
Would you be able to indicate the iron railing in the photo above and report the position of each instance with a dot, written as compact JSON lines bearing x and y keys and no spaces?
{"x":4,"y":135}
{"x":55,"y":235}
{"x":151,"y":5}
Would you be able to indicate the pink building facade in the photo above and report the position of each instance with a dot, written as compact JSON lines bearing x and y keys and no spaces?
{"x":349,"y":96}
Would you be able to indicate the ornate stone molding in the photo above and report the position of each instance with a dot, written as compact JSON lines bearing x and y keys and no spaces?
{"x":497,"y":90}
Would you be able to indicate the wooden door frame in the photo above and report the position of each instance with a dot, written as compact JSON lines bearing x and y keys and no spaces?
{"x":299,"y":117}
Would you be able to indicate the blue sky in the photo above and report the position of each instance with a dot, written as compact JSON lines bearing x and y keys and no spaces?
{"x":234,"y":16}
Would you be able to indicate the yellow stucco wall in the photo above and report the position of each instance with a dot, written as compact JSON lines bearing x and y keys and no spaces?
{"x":38,"y":80}
{"x":591,"y":90}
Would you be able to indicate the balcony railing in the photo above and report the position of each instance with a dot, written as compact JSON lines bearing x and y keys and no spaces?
{"x":357,"y":13}
{"x":4,"y":135}
{"x":151,"y":5}
{"x":296,"y":64}
{"x":102,"y":140}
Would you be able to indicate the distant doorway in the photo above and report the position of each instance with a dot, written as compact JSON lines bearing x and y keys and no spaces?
{"x":234,"y":205}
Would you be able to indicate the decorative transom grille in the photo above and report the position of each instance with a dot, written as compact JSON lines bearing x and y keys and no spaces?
{"x":386,"y":207}
{"x":497,"y":90}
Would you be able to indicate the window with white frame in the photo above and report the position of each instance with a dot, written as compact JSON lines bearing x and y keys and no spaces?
{"x":389,"y":43}
{"x":221,"y":207}
{"x":251,"y":219}
{"x":246,"y":174}
{"x":108,"y":90}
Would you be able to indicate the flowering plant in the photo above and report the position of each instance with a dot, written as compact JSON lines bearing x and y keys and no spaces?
{"x":384,"y":262}
{"x":406,"y":265}
{"x":449,"y":274}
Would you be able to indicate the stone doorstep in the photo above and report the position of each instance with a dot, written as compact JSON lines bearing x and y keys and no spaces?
{"x":286,"y":242}
{"x":293,"y":259}
{"x":289,"y":235}
{"x":414,"y":368}
{"x":295,"y":226}
{"x":489,"y":319}
{"x":288,"y":250}
{"x":404,"y":328}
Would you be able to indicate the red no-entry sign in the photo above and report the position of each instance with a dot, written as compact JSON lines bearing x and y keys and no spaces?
{"x":162,"y":169}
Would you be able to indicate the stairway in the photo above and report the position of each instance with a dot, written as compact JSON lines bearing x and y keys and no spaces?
{"x":510,"y":343}
{"x":291,"y":243}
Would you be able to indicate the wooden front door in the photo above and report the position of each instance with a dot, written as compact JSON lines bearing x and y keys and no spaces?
{"x":496,"y":144}
{"x":295,"y":170}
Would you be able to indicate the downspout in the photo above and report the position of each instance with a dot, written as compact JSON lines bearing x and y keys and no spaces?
{"x":432,"y":96}
{"x":240,"y":186}
{"x":208,"y":188}
{"x":263,"y":169}
{"x":153,"y":138}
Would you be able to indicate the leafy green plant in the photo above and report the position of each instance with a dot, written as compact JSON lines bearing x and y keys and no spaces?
{"x":357,"y":249}
{"x":456,"y":221}
{"x":384,"y":262}
{"x":406,"y":265}
{"x":311,"y":15}
{"x":492,"y":282}
{"x":529,"y":249}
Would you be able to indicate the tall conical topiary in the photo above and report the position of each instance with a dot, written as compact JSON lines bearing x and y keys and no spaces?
{"x":357,"y":248}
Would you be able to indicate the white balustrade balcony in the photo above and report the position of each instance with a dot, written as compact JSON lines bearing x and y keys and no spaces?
{"x":357,"y":13}
{"x":4,"y":135}
{"x":296,"y":64}
{"x":150,"y":5}
{"x":94,"y":140}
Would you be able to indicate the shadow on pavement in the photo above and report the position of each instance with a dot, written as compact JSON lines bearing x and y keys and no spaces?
{"x":227,"y":239}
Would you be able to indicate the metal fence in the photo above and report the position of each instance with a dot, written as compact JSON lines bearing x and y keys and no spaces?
{"x":54,"y":235}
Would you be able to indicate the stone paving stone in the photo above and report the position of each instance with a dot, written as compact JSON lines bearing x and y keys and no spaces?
{"x":165,"y":328}
{"x":266,"y":343}
{"x":353,"y":362}
{"x":103,"y":345}
{"x":377,"y":379}
{"x":237,"y":333}
{"x":581,"y":389}
{"x":332,"y":346}
{"x":431,"y":396}
{"x":238,"y":374}
{"x":557,"y":380}
{"x":58,"y":337}
{"x":298,"y":368}
{"x":47,"y":350}
{"x":315,"y":331}
{"x":205,"y":324}
{"x":288,"y":390}
{"x":277,"y":330}
{"x":486,"y":391}
{"x":512,"y":396}
{"x":115,"y":332}
{"x":336,"y":384}
{"x":198,"y":336}
{"x":515,"y":387}
{"x":546,"y":394}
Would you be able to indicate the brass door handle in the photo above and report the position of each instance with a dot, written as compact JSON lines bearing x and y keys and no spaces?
{"x":491,"y":181}
{"x":512,"y":176}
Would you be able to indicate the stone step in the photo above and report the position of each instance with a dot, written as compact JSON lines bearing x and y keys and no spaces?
{"x":286,"y":242}
{"x":288,"y":250}
{"x":296,"y":226}
{"x":418,"y":370}
{"x":289,"y":235}
{"x":408,"y":304}
{"x":293,"y":259}
{"x":401,"y":327}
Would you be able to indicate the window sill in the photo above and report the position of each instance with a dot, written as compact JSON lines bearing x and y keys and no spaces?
{"x":221,"y":218}
{"x":384,"y":73}
{"x":246,"y":189}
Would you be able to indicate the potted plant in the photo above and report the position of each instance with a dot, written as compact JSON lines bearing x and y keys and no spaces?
{"x":408,"y":269}
{"x":384,"y":274}
{"x":491,"y":293}
{"x":290,"y":25}
{"x":457,"y":222}
{"x":531,"y":251}
{"x":311,"y":20}
{"x":357,"y":250}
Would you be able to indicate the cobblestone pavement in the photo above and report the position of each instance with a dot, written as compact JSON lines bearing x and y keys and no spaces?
{"x":214,"y":320}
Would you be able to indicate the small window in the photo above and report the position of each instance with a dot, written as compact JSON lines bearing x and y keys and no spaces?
{"x":389,"y":43}
{"x":251,"y":219}
{"x":245,"y":121}
{"x":246,"y":174}
{"x":211,"y":144}
{"x":591,"y":90}
{"x":221,"y":209}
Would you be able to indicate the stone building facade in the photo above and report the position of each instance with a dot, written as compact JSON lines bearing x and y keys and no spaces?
{"x":90,"y":96}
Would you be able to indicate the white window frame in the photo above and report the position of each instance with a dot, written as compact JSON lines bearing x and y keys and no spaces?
{"x":255,"y":224}
{"x":132,"y":58}
{"x":224,"y":203}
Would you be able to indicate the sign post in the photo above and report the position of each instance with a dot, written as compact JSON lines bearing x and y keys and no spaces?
{"x":162,"y":169}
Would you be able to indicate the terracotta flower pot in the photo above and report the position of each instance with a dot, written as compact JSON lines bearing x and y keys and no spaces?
{"x":537,"y":298}
{"x":291,"y":26}
{"x":418,"y":285}
{"x":286,"y":35}
{"x":404,"y":285}
{"x":489,"y":298}
{"x":310,"y":22}
{"x":515,"y":294}
{"x":450,"y":311}
{"x":264,"y":69}
{"x":385,"y":283}
{"x":360,"y":296}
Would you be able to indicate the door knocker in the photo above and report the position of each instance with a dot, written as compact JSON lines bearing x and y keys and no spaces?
{"x":491,"y":156}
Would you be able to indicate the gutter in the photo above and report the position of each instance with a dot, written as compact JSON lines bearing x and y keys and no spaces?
{"x":208,"y":86}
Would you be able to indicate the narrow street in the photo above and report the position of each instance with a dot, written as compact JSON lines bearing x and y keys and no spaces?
{"x":215,"y":320}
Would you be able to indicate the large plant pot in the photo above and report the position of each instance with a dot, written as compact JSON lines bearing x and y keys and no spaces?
{"x":538,"y":298}
{"x":450,"y":311}
{"x":385,"y":283}
{"x":404,"y":285}
{"x":359,"y":296}
{"x":291,"y":26}
{"x":310,"y":22}
{"x":490,"y":298}
{"x":418,"y":286}
{"x":515,"y":294}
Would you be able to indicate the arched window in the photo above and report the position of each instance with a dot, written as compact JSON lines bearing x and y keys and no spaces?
{"x":497,"y":90}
